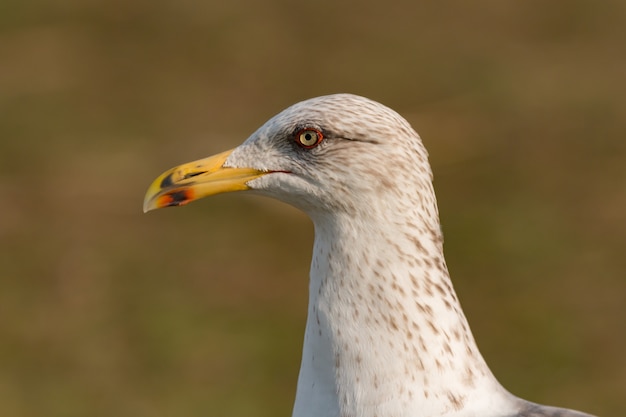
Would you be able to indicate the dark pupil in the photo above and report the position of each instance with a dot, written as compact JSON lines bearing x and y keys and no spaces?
{"x":308,"y":136}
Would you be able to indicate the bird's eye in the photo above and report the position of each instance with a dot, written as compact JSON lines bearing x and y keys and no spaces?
{"x":309,"y":138}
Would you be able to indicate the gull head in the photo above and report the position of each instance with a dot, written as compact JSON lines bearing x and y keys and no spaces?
{"x":336,"y":153}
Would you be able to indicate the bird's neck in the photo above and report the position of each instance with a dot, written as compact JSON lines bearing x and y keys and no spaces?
{"x":385,"y":333}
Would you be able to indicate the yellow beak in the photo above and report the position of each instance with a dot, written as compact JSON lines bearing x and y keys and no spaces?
{"x":191,"y":181}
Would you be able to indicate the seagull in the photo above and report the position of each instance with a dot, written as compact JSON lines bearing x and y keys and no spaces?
{"x":385,"y":333}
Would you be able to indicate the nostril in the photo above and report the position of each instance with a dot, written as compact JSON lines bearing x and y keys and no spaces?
{"x":193,"y":174}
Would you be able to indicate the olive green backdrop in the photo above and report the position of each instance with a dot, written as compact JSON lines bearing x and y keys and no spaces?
{"x":199,"y":311}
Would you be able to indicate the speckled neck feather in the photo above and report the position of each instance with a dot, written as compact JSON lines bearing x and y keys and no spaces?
{"x":385,"y":334}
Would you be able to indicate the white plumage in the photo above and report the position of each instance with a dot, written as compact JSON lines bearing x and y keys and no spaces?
{"x":385,"y":334}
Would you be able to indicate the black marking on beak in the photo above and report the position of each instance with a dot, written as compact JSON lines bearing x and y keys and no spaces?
{"x":178,"y":197}
{"x":167,"y":181}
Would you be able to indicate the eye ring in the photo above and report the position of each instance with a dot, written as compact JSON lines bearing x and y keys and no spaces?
{"x":308,"y":138}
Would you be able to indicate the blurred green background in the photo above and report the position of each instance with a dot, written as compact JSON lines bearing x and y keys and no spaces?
{"x":200,"y":311}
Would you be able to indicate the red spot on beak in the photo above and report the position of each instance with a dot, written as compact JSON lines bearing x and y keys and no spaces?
{"x":178,"y":197}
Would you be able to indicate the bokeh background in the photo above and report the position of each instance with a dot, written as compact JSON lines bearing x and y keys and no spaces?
{"x":200,"y":311}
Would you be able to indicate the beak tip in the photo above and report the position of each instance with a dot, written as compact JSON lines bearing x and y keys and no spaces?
{"x":151,"y":201}
{"x":147,"y":207}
